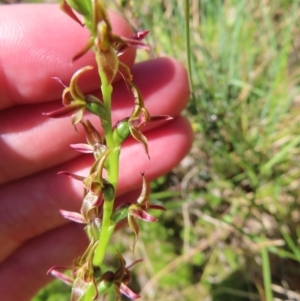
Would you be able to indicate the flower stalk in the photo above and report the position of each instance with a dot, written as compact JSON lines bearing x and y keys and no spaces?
{"x":98,"y":212}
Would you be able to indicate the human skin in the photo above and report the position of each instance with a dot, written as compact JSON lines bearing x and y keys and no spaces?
{"x":37,"y":43}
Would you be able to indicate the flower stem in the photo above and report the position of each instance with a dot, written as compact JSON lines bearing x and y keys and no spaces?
{"x":108,"y":225}
{"x":106,"y":90}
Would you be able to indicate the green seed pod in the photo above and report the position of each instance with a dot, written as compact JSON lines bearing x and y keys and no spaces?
{"x":95,"y":106}
{"x":121,"y":131}
{"x":108,"y":192}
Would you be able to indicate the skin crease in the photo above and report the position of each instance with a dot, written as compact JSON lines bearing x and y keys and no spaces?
{"x":37,"y":42}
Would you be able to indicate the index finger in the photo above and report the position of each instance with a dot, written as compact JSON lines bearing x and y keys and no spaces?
{"x":38,"y":42}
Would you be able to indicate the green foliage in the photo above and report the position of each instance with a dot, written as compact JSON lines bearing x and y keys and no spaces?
{"x":54,"y":292}
{"x":243,"y":179}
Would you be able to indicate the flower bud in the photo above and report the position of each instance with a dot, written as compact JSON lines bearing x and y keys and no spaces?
{"x":108,"y":192}
{"x":121,"y":131}
{"x":95,"y":106}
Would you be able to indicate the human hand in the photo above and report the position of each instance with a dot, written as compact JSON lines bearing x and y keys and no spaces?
{"x":37,"y":42}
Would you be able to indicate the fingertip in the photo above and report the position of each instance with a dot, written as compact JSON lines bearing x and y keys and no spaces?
{"x":38,"y":42}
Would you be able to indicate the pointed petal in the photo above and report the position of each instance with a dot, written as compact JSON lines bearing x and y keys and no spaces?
{"x":134,"y":263}
{"x":134,"y":41}
{"x":135,"y":227}
{"x":64,"y":111}
{"x":87,"y":257}
{"x":96,"y":187}
{"x":92,"y":184}
{"x":98,"y":165}
{"x":67,"y":98}
{"x":64,"y":6}
{"x":92,"y":135}
{"x":160,"y":118}
{"x":83,"y":148}
{"x":74,"y":89}
{"x":93,"y":228}
{"x":143,"y":215}
{"x":137,"y":135}
{"x":76,"y":118}
{"x":139,"y":105}
{"x":71,"y":175}
{"x":157,"y":207}
{"x":117,"y":291}
{"x":60,"y":81}
{"x":84,"y":50}
{"x":127,"y":42}
{"x":140,"y":35}
{"x":89,"y":206}
{"x":61,"y":276}
{"x":124,"y":70}
{"x":138,"y":122}
{"x":121,"y":270}
{"x":125,"y":290}
{"x":73,"y":216}
{"x":96,"y":289}
{"x":142,"y":121}
{"x":144,"y":193}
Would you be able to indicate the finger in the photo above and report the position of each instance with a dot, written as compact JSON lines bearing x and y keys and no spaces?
{"x":38,"y":42}
{"x":31,"y":207}
{"x":31,"y":142}
{"x":28,"y":265}
{"x":26,"y":268}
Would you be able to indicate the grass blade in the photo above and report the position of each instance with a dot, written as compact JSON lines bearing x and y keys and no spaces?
{"x":266,"y":274}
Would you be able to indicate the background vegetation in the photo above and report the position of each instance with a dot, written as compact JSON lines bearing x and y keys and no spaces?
{"x":232,"y":229}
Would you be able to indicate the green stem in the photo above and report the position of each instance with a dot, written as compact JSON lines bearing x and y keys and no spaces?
{"x":266,"y":273}
{"x":106,"y":90}
{"x":188,"y":41}
{"x":107,"y":230}
{"x":188,"y":50}
{"x":108,"y":226}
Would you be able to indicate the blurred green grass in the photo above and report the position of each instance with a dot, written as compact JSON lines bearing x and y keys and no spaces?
{"x":232,"y":227}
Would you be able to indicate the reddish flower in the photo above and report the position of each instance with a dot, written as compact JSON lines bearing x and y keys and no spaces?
{"x":119,"y":279}
{"x":136,"y":124}
{"x":139,"y":209}
{"x":73,"y":99}
{"x":82,"y":274}
{"x":133,"y":41}
{"x":106,"y":44}
{"x":95,"y":141}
